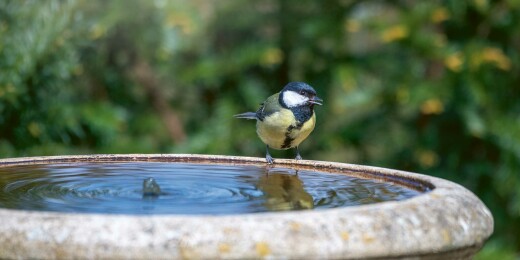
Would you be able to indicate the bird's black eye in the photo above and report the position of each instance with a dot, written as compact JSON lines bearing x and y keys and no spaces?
{"x":302,"y":92}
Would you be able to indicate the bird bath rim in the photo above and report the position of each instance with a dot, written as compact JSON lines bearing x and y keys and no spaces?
{"x":446,"y":220}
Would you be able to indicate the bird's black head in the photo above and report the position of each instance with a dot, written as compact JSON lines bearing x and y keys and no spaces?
{"x":297,"y":94}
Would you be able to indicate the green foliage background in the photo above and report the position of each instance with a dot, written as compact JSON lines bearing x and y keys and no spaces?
{"x":424,"y":86}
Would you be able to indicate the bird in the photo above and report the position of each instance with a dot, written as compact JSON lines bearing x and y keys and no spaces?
{"x":286,"y":118}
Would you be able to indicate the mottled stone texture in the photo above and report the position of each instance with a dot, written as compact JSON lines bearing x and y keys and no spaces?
{"x":446,"y":223}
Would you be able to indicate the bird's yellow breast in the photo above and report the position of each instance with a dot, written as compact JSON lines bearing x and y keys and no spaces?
{"x":280,"y":130}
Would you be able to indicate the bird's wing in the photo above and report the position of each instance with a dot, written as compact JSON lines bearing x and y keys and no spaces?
{"x":268,"y":107}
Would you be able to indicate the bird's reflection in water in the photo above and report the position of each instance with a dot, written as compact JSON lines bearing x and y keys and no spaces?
{"x":284,"y":191}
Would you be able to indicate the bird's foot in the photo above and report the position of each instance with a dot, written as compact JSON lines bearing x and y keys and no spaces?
{"x":298,"y":156}
{"x":268,"y":156}
{"x":269,"y":159}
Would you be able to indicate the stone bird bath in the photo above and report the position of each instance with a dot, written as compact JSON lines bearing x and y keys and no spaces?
{"x":444,"y":221}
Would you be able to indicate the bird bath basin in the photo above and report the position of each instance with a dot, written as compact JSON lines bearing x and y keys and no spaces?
{"x":203,"y":206}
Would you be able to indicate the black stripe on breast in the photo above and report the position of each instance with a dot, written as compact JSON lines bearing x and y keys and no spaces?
{"x":287,"y":142}
{"x":302,"y":113}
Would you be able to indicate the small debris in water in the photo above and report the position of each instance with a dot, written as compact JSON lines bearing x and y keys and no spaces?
{"x":151,"y":188}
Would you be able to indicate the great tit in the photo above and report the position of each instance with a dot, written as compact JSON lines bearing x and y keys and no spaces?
{"x":286,"y":118}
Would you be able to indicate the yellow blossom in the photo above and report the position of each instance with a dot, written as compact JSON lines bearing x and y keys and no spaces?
{"x":432,"y":106}
{"x":481,"y":5}
{"x":440,"y":15}
{"x":427,"y":158}
{"x":454,"y":62}
{"x":34,"y":129}
{"x":352,"y":25}
{"x":497,"y":57}
{"x":272,"y":56}
{"x":97,"y":31}
{"x":394,"y":33}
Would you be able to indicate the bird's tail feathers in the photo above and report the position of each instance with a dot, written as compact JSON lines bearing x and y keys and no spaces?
{"x":247,"y":115}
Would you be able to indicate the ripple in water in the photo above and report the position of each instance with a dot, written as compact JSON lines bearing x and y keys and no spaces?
{"x":184,"y":189}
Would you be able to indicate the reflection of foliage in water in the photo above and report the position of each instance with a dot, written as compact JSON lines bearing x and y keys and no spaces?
{"x":425,"y":86}
{"x":284,"y":192}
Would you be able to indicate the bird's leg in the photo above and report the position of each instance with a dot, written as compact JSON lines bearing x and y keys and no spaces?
{"x":298,"y":156}
{"x":268,"y":157}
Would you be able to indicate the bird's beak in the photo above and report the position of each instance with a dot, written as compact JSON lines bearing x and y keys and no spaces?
{"x":316,"y":101}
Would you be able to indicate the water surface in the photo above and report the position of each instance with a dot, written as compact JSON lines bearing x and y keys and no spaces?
{"x":184,"y":188}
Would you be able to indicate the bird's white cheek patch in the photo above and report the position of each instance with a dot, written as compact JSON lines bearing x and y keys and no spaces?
{"x":293,"y":99}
